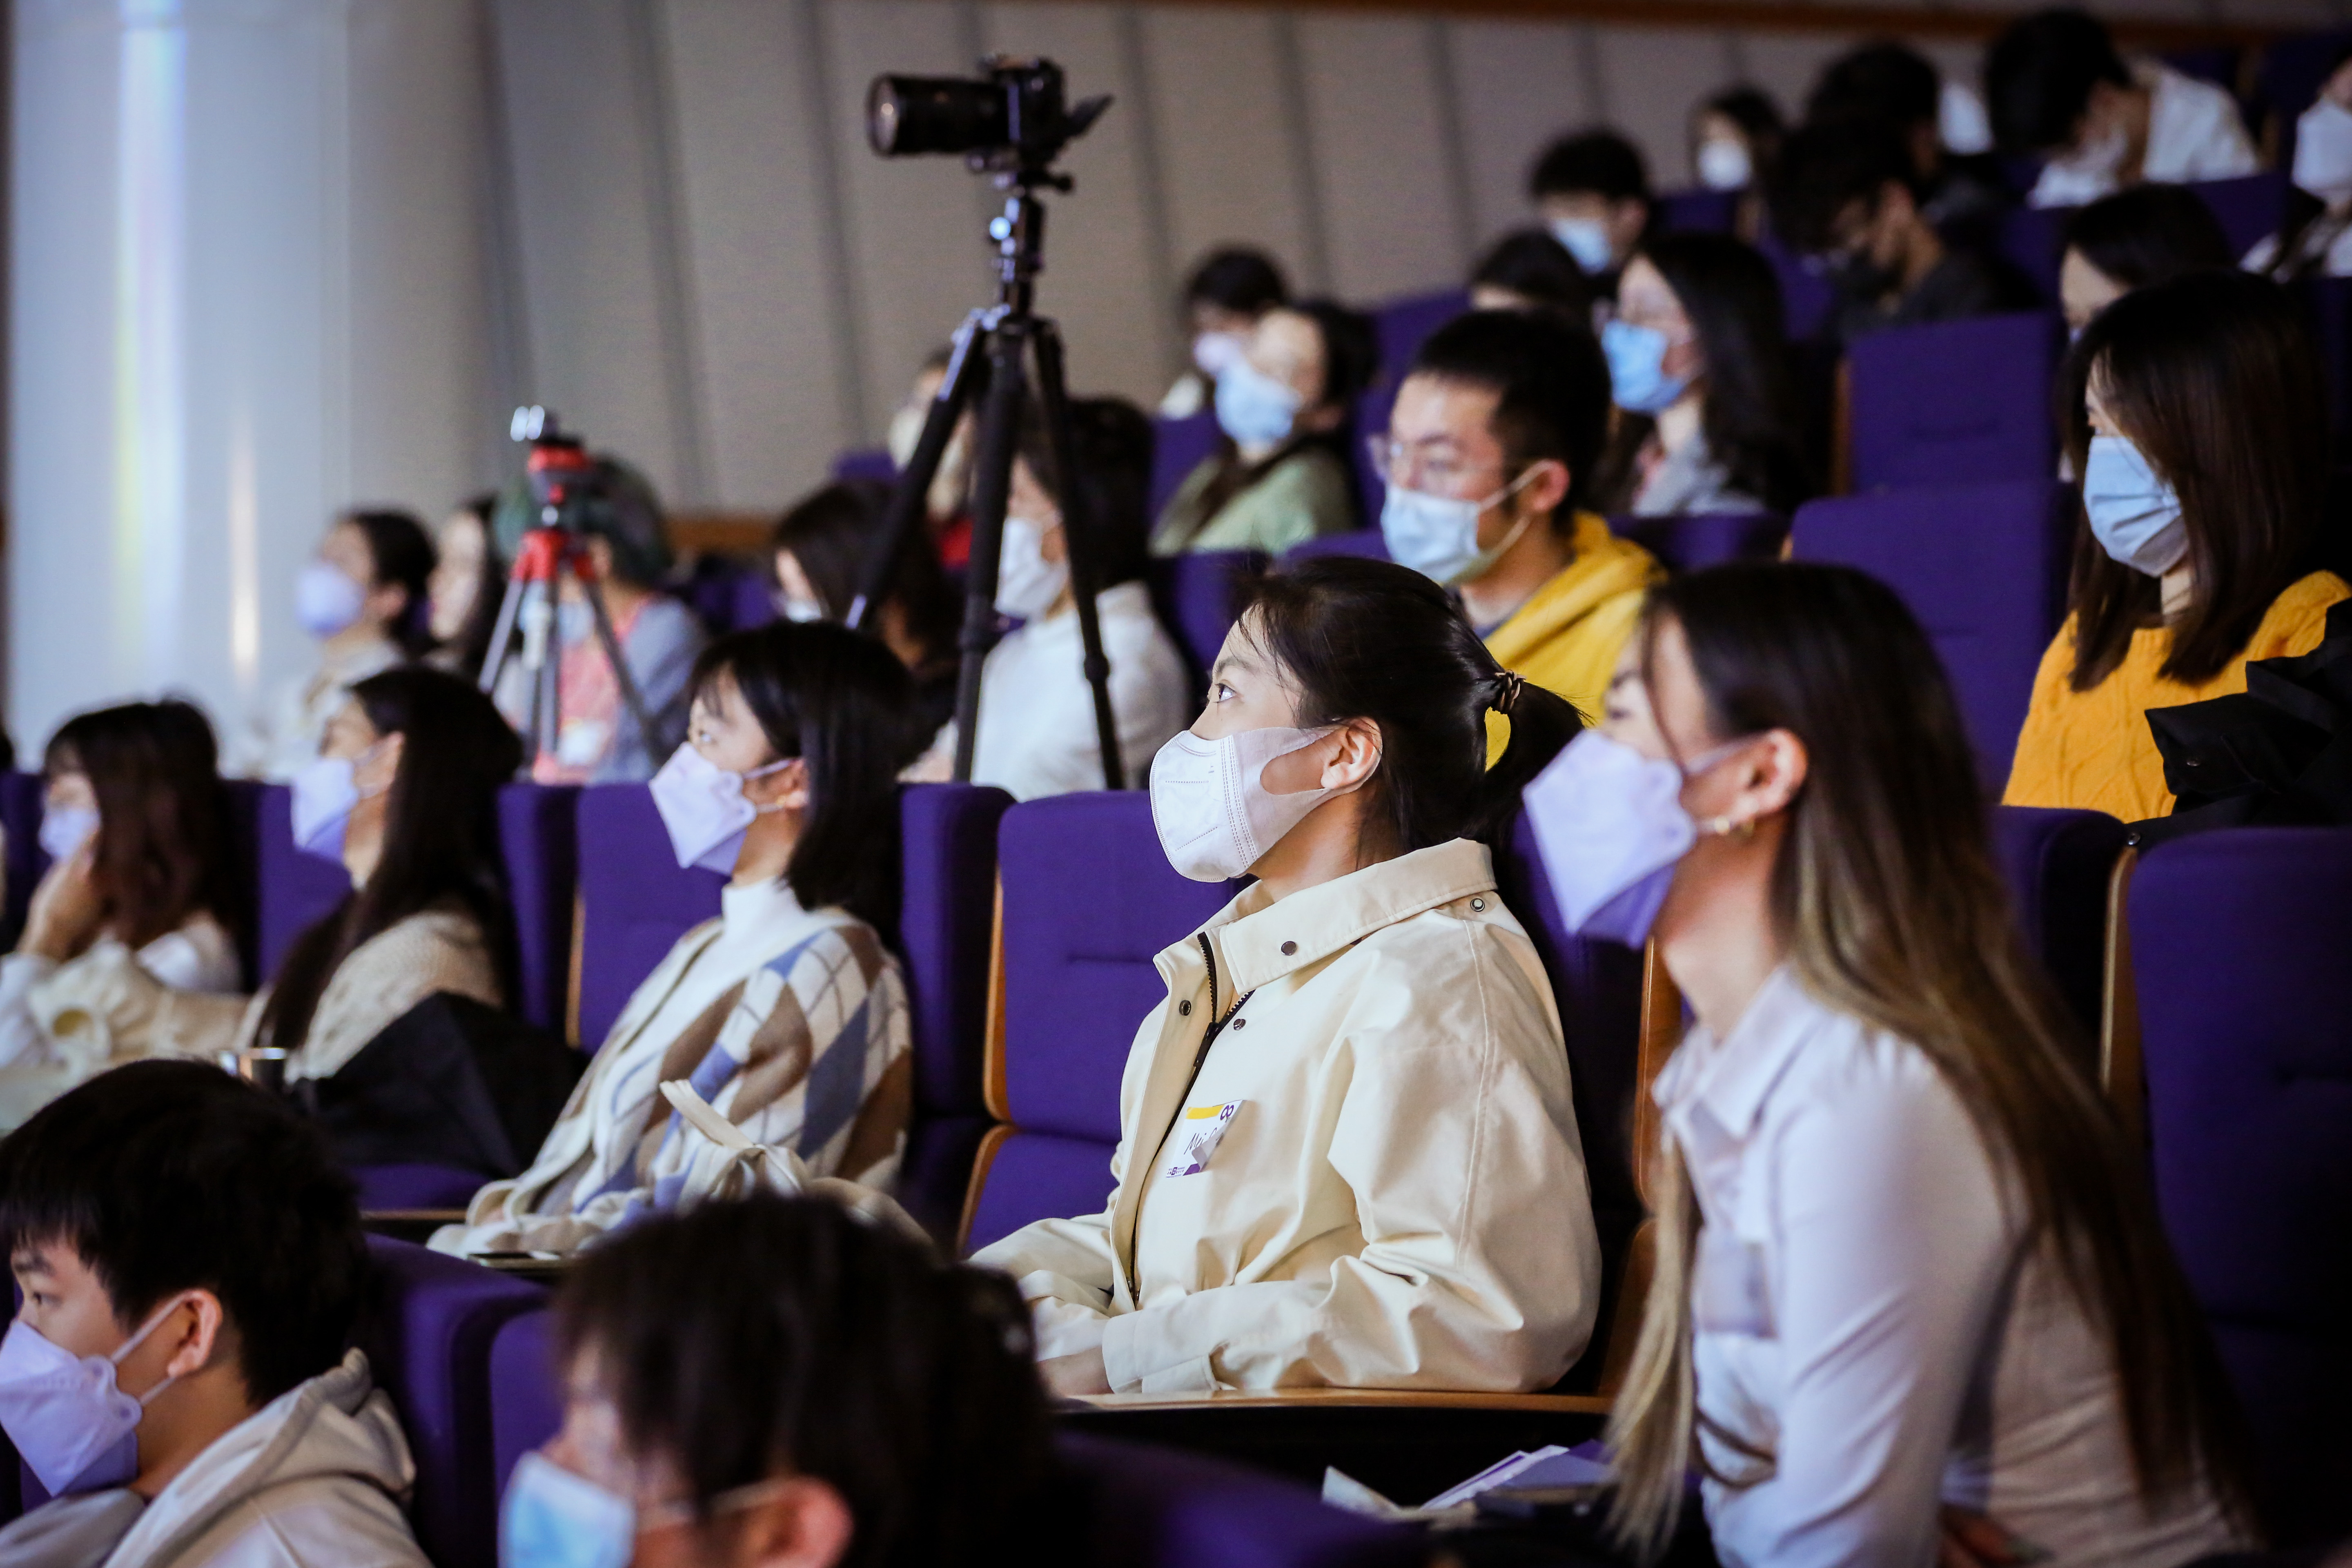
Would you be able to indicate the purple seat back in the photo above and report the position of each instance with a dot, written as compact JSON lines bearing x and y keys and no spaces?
{"x":1178,"y":446}
{"x":1400,"y":327}
{"x":1696,"y":212}
{"x":1982,"y":567}
{"x":526,"y":1390}
{"x":1807,"y":296}
{"x":2292,"y":69}
{"x":291,"y":889}
{"x":2057,"y":865}
{"x":1194,"y":594}
{"x":634,"y":903}
{"x":865,"y":463}
{"x":1088,"y":900}
{"x":245,"y":802}
{"x":539,"y":840}
{"x":2032,"y":241}
{"x":1692,"y":541}
{"x":2245,"y":1003}
{"x":755,"y":600}
{"x":412,"y":1187}
{"x":2327,"y":302}
{"x":1955,"y":403}
{"x":21,"y":809}
{"x":2247,"y":208}
{"x":1367,"y":542}
{"x":427,"y":1329}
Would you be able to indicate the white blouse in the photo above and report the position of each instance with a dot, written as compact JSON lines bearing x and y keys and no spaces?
{"x":198,"y":956}
{"x":1863,"y":1314}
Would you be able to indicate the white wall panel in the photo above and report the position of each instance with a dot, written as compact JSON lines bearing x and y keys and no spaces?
{"x":1395,"y":214}
{"x":1519,"y":84}
{"x":1652,"y":76}
{"x":1786,"y":64}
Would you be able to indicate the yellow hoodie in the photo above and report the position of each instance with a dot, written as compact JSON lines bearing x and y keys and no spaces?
{"x":1567,"y":638}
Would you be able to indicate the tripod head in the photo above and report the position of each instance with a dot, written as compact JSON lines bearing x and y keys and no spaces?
{"x":558,"y":468}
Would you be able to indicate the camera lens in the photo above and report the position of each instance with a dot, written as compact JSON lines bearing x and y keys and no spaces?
{"x":907,"y":114}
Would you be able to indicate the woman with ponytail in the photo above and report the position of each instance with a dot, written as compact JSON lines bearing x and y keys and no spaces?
{"x":1348,"y":1154}
{"x":1911,"y":1301}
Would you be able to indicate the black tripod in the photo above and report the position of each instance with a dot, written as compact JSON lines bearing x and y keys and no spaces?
{"x":1007,"y":332}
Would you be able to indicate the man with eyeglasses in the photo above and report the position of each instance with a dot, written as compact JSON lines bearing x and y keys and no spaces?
{"x":1488,"y":460}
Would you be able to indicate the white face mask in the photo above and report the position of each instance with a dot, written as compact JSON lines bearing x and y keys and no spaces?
{"x":1209,"y":804}
{"x":702,"y":806}
{"x":1587,"y":239}
{"x":799,"y":611}
{"x":2323,"y":152}
{"x":326,"y":790}
{"x":1213,"y":353}
{"x":74,"y":1427}
{"x":1724,"y":165}
{"x":1437,"y":536}
{"x":67,"y":829}
{"x":326,"y":601}
{"x":1026,"y":583}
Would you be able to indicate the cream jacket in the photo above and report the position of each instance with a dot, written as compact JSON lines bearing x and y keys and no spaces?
{"x":1400,"y":1200}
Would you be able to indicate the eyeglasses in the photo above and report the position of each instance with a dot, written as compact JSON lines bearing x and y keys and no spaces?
{"x":1402,"y":466}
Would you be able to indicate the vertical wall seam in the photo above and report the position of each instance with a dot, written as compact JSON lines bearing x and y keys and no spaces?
{"x":513,"y":375}
{"x":1298,"y":140}
{"x":1438,"y":41}
{"x":1161,"y":261}
{"x":673,"y":249}
{"x":841,"y":282}
{"x":1596,"y":80}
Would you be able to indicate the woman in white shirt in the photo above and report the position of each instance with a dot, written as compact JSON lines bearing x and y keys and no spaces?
{"x":136,"y":827}
{"x":1910,"y":1283}
{"x":1381,"y":1183}
{"x":1036,"y":730}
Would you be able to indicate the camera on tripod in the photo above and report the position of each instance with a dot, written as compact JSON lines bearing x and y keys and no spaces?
{"x":1016,"y":116}
{"x":559,"y":471}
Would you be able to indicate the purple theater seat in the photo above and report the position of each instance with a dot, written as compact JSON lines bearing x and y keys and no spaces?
{"x":21,"y":808}
{"x":2032,"y":240}
{"x":539,"y":839}
{"x":2057,"y":865}
{"x":1365,"y":541}
{"x":291,"y":889}
{"x":1956,"y":402}
{"x":2292,"y":72}
{"x":383,"y":1187}
{"x":1696,"y":212}
{"x":1400,"y":327}
{"x":1079,"y":978}
{"x":427,"y":1328}
{"x":865,"y":463}
{"x":2245,"y":1003}
{"x":634,"y":903}
{"x":755,"y":600}
{"x":1983,"y":567}
{"x":1194,"y":595}
{"x":1178,"y":446}
{"x":1699,"y":540}
{"x":244,"y":801}
{"x":526,"y":1390}
{"x":945,"y":921}
{"x":2248,"y":207}
{"x":1806,"y":297}
{"x":2327,"y":302}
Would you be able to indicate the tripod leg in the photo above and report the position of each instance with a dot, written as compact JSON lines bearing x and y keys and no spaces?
{"x":908,"y":495}
{"x":502,"y":636}
{"x":1081,"y":538}
{"x":1000,"y":438}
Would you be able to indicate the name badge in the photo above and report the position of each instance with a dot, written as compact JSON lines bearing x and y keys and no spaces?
{"x":1729,"y":1294}
{"x":1198,"y":1133}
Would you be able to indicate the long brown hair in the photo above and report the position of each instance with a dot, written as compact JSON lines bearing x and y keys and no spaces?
{"x":1887,"y":898}
{"x":2214,"y":377}
{"x":163,"y":854}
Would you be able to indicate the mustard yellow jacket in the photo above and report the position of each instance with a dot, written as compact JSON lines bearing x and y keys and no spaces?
{"x":1568,"y":637}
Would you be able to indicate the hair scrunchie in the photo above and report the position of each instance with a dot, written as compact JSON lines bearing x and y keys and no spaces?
{"x":1508,"y":683}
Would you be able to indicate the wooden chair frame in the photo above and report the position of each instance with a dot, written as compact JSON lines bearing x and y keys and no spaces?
{"x":2120,"y":1073}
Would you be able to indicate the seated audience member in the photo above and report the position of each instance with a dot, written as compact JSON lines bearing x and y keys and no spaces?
{"x":1280,"y":475}
{"x":596,"y":738}
{"x":830,"y":1393}
{"x":2058,"y":89}
{"x":2198,"y":420}
{"x":1037,"y":733}
{"x":2316,"y":239}
{"x":1593,"y":191}
{"x":786,"y":1013}
{"x":362,"y":596}
{"x":820,"y":548}
{"x":1400,"y":1201}
{"x":468,"y":585}
{"x":1225,"y":299}
{"x":1962,"y":197}
{"x":1734,"y":141}
{"x":1527,"y":269}
{"x":1912,"y":1304}
{"x":1489,"y":460}
{"x":192,"y":1269}
{"x":403,"y":793}
{"x":136,"y":828}
{"x":1699,"y":369}
{"x":2135,"y":237}
{"x":947,"y":504}
{"x":1850,"y":193}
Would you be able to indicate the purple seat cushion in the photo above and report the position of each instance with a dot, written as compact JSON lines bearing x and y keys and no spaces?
{"x":1042,"y":1175}
{"x":1178,"y":446}
{"x":1982,"y":567}
{"x":2057,"y":865}
{"x":1368,"y":542}
{"x":526,"y":1392}
{"x":755,"y":600}
{"x":2245,"y":1002}
{"x":1955,"y":403}
{"x":1688,"y":543}
{"x":635,"y":901}
{"x":415,"y":1187}
{"x":1696,"y":212}
{"x":1194,"y":594}
{"x":427,"y":1329}
{"x":2032,"y":241}
{"x":1170,"y":1509}
{"x":292,"y":888}
{"x":539,"y":837}
{"x":2249,"y":208}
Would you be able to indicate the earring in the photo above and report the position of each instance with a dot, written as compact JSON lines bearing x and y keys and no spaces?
{"x":1723,"y":827}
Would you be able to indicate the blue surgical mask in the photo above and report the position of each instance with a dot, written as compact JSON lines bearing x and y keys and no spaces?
{"x":554,"y":1519}
{"x":1610,"y":826}
{"x":2134,"y":513}
{"x":326,"y":600}
{"x":1438,"y":536}
{"x":1637,"y":372}
{"x":575,"y":622}
{"x":1587,"y":239}
{"x":65,"y":830}
{"x":1253,"y":408}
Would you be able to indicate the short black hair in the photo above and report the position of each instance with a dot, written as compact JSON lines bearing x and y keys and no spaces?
{"x":1110,"y":447}
{"x":1237,"y":278}
{"x":165,"y":1176}
{"x":1826,"y":165}
{"x":1884,"y":78}
{"x":2039,"y":75}
{"x":2148,"y":234}
{"x":1533,"y":265}
{"x":1552,"y":384}
{"x":741,"y":1338}
{"x":1601,"y":162}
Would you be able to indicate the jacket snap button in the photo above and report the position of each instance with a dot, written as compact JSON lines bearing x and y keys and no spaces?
{"x":1477,"y":903}
{"x":1239,"y":1022}
{"x":1183,"y":1010}
{"x":1288,"y":948}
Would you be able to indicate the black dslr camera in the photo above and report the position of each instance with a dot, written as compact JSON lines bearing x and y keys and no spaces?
{"x":1016,"y":116}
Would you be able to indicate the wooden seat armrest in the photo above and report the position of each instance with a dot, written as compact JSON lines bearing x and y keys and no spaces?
{"x":1353,"y":1399}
